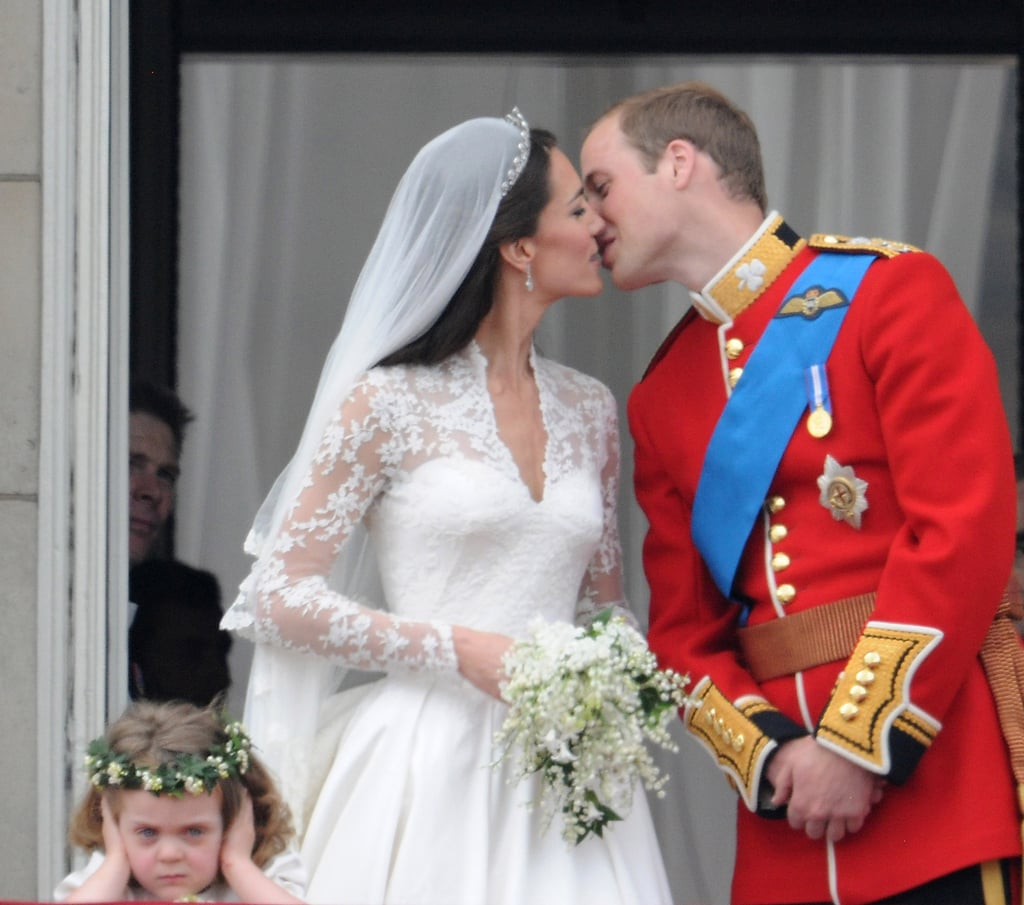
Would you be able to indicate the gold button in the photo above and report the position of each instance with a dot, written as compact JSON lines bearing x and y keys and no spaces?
{"x":872,"y":659}
{"x":831,"y":240}
{"x":776,"y":504}
{"x":737,"y":743}
{"x":848,"y":711}
{"x":734,"y":376}
{"x":780,"y":561}
{"x":786,"y":593}
{"x":865,"y":677}
{"x":858,"y":693}
{"x":733,"y":348}
{"x":778,"y":533}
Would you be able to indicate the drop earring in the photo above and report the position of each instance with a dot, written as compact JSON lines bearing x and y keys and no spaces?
{"x":529,"y":278}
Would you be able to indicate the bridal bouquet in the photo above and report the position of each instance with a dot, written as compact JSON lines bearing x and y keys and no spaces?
{"x":583,"y":703}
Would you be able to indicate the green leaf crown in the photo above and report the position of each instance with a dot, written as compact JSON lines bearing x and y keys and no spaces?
{"x":194,"y":774}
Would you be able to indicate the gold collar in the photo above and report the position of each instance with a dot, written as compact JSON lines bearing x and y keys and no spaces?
{"x":751,"y":271}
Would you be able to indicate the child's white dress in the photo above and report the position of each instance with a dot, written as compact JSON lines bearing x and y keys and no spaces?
{"x":284,"y":869}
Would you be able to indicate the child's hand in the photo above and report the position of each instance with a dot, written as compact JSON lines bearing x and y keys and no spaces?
{"x":113,"y":844}
{"x":248,"y":881}
{"x":109,"y":882}
{"x":240,"y":837}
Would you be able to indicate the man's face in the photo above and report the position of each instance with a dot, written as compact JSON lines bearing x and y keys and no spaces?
{"x":153,"y":474}
{"x":633,"y":204}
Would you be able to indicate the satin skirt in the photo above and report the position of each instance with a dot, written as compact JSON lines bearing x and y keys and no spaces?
{"x":406,"y":808}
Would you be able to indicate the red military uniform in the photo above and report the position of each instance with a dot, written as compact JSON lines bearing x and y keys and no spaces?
{"x":920,"y":447}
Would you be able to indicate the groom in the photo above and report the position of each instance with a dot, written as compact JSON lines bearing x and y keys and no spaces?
{"x":822,"y":456}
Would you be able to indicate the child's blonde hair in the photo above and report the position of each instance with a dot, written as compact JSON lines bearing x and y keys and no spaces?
{"x":151,"y":734}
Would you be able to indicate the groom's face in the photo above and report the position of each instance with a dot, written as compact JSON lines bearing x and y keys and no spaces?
{"x":630,"y":199}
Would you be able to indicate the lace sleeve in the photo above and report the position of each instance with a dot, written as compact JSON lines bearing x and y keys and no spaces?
{"x":295,"y":607}
{"x":602,"y":585}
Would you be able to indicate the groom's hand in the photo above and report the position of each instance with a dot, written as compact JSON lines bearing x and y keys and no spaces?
{"x":825,"y":794}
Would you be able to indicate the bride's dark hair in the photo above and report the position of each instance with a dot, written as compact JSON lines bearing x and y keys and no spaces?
{"x":517,"y":218}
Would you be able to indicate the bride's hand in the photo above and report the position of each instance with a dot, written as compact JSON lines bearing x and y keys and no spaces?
{"x":479,"y":655}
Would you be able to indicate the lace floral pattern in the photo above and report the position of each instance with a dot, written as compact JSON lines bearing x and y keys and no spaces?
{"x":415,"y":457}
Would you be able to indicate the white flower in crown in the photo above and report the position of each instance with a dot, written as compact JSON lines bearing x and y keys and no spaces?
{"x":842,"y":492}
{"x":115,"y":773}
{"x":751,"y":275}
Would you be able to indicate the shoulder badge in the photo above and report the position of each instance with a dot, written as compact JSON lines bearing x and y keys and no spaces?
{"x":884,"y":248}
{"x":812,"y":302}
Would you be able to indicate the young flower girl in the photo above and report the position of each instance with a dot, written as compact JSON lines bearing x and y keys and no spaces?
{"x":179,"y":809}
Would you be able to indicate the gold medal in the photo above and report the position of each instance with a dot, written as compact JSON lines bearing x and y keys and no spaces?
{"x":819,"y":422}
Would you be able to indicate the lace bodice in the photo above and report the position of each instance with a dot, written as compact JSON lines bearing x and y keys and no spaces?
{"x":414,"y":456}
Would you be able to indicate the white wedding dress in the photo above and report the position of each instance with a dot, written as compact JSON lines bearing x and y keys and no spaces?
{"x":405,"y":806}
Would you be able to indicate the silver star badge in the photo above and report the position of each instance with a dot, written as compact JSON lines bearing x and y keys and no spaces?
{"x":842,"y":493}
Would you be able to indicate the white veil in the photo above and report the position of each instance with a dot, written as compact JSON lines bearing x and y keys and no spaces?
{"x":434,"y":227}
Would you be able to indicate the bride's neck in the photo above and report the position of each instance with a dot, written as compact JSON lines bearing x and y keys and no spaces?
{"x":508,"y":358}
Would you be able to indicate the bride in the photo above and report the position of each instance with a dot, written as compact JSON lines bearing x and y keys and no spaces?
{"x":445,"y":459}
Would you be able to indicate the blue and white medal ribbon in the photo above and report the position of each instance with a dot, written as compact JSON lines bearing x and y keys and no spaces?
{"x":819,"y":421}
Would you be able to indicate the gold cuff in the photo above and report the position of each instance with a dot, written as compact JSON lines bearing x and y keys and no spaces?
{"x":738,"y":746}
{"x":872,"y":697}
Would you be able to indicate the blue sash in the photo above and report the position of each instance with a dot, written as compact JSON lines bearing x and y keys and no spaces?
{"x":758,"y":420}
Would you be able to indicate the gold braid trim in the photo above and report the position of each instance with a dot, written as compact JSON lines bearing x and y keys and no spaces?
{"x":738,"y":746}
{"x":886,"y":248}
{"x":873,"y":695}
{"x":915,"y":727}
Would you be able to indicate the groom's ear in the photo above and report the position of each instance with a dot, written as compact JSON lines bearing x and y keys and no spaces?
{"x":680,"y":158}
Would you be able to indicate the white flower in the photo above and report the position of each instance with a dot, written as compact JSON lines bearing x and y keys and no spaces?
{"x":583,"y":703}
{"x":115,"y":773}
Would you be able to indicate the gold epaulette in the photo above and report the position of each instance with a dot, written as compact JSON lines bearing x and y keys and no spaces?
{"x":871,"y":701}
{"x":885,"y":248}
{"x":739,"y":747}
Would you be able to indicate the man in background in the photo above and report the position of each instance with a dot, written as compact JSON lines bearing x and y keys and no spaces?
{"x":176,"y":650}
{"x":156,"y":431}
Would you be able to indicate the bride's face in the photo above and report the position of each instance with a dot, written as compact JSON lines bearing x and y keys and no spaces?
{"x":567,"y":259}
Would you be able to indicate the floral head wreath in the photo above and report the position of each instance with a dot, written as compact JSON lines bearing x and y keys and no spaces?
{"x":193,"y":773}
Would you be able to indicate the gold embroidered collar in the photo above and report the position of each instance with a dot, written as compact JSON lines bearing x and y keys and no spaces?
{"x":752,"y":270}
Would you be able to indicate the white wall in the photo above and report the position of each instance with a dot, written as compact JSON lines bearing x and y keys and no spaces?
{"x":20,"y":305}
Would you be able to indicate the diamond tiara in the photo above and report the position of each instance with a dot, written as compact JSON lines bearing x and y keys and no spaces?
{"x":519,"y":161}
